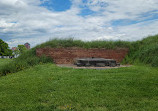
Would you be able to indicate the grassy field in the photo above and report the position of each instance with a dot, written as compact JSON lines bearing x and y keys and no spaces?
{"x":47,"y":87}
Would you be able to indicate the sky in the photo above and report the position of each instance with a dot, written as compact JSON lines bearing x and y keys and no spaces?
{"x":37,"y":21}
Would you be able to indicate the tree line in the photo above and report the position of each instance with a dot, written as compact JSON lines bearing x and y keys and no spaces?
{"x":5,"y":51}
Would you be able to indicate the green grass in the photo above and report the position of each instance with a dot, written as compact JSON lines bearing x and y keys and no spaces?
{"x":64,"y":43}
{"x":144,"y":51}
{"x":37,"y":86}
{"x":29,"y":58}
{"x":4,"y":61}
{"x":24,"y":61}
{"x":48,"y":87}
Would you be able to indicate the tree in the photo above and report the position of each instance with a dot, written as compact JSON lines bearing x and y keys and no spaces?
{"x":16,"y":52}
{"x":19,"y":50}
{"x":4,"y":49}
{"x":22,"y":48}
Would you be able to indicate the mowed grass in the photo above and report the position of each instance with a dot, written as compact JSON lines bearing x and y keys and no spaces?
{"x":50,"y":88}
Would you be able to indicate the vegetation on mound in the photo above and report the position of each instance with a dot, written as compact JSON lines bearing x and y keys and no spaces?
{"x":64,"y":43}
{"x":29,"y":58}
{"x":144,"y":51}
{"x":51,"y":88}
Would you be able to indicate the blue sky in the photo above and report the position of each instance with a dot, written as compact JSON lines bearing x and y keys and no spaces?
{"x":57,"y":5}
{"x":37,"y":21}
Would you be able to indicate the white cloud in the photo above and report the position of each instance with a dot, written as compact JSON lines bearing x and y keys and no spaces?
{"x":25,"y":20}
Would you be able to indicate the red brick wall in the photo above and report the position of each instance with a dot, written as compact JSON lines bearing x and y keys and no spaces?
{"x":67,"y":55}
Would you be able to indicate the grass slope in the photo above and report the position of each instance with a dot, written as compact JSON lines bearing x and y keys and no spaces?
{"x":48,"y":87}
{"x":144,"y":51}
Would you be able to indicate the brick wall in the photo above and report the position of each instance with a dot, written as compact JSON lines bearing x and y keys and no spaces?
{"x":67,"y":55}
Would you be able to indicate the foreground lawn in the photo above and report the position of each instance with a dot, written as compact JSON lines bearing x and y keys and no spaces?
{"x":47,"y":87}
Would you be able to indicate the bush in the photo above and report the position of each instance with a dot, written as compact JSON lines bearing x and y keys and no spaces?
{"x":25,"y":60}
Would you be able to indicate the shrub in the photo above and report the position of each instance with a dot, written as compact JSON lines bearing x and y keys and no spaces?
{"x":25,"y":60}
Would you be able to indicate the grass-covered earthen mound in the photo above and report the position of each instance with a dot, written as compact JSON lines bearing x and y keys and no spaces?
{"x":46,"y":87}
{"x":144,"y":51}
{"x":29,"y":58}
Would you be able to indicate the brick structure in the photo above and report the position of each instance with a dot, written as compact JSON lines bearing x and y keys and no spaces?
{"x":67,"y":55}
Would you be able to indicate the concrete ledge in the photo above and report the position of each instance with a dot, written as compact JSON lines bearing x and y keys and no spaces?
{"x":98,"y":68}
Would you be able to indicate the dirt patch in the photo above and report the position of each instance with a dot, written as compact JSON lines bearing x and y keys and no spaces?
{"x":99,"y":68}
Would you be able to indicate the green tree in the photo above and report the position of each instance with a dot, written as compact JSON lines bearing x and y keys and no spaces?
{"x":19,"y":50}
{"x":22,"y":48}
{"x":4,"y":49}
{"x":16,"y":52}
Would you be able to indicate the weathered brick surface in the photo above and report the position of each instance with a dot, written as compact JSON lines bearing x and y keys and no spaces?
{"x":67,"y":55}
